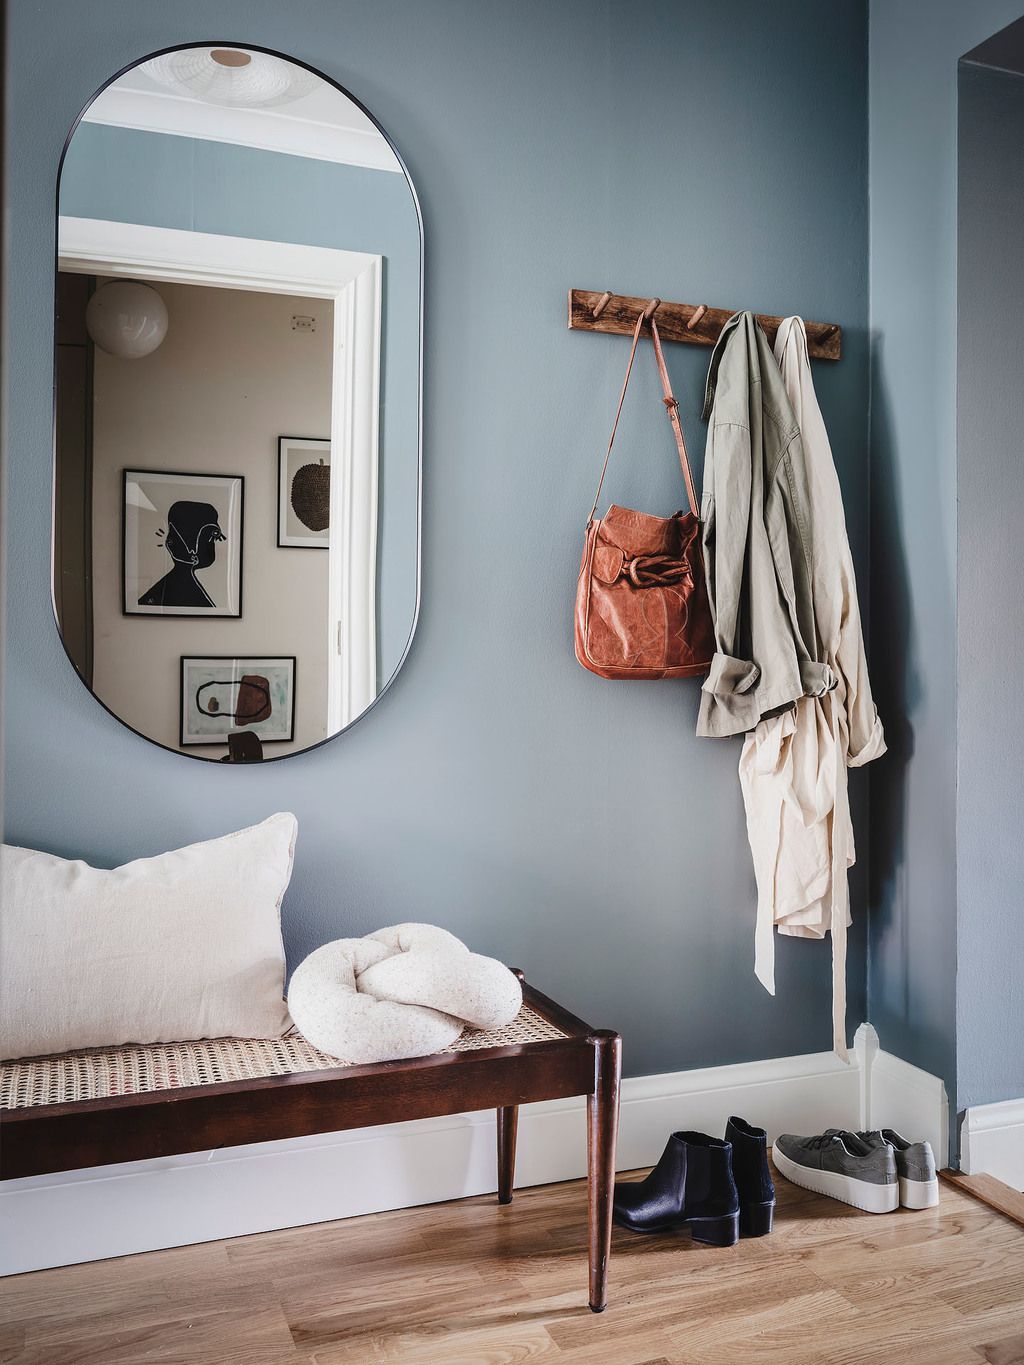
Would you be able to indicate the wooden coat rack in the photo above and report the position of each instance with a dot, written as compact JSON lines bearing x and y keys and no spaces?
{"x":594,"y":311}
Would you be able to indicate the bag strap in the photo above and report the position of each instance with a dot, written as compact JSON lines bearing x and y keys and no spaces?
{"x":671,"y":405}
{"x":618,"y":414}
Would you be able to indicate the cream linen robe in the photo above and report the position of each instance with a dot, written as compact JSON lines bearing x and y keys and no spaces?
{"x":793,"y":766}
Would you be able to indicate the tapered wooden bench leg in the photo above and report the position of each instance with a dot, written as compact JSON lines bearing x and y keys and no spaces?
{"x":602,"y":1129}
{"x":508,"y":1123}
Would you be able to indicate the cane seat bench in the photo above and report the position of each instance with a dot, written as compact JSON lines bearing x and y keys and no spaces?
{"x":102,"y":1106}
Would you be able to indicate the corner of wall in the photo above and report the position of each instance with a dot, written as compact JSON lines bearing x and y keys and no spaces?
{"x":895,"y":1094}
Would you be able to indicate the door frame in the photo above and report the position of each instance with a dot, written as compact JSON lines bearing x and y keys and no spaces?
{"x":352,"y":281}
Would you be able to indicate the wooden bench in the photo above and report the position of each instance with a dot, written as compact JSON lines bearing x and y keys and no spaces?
{"x":103,"y":1106}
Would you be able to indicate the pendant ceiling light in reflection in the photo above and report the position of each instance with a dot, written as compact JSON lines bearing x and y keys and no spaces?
{"x":231,"y":76}
{"x":126,"y":318}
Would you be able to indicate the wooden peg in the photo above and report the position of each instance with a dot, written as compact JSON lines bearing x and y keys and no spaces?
{"x":698,"y":313}
{"x":601,"y":304}
{"x":652,"y":307}
{"x":827,"y":333}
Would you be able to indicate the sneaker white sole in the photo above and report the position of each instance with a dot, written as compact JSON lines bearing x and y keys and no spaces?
{"x":919,"y":1194}
{"x":862,"y":1194}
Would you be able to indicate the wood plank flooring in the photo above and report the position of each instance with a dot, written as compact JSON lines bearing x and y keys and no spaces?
{"x":472,"y":1283}
{"x":990,"y":1191}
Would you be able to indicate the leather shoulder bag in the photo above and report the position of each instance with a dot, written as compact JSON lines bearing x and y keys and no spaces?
{"x":641,"y":601}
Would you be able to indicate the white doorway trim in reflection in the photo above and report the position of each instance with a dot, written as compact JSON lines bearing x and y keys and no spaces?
{"x":352,"y":281}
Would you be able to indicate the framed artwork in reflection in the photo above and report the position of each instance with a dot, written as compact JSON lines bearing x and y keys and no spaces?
{"x":182,"y":544}
{"x":223,"y":693}
{"x":303,"y":493}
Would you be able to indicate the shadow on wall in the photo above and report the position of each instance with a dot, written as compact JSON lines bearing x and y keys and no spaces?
{"x":896,"y":686}
{"x":900,"y":691}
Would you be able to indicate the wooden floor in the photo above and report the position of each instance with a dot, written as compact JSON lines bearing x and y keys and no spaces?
{"x":471,"y":1283}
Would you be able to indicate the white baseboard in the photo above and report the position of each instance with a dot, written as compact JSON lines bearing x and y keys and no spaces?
{"x":992,"y":1142}
{"x":143,"y":1206}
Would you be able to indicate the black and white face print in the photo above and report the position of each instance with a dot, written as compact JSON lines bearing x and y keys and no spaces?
{"x":182,"y":544}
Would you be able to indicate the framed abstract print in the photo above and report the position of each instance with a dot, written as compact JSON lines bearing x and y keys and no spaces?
{"x":224,"y":693}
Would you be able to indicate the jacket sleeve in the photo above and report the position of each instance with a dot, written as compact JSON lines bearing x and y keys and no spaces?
{"x":866,"y":739}
{"x":726,"y":706}
{"x":787,"y":520}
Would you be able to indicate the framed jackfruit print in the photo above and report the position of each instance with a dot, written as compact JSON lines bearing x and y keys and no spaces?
{"x":304,"y":493}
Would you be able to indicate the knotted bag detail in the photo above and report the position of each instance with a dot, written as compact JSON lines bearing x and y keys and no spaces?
{"x":642,"y":570}
{"x":650,"y":571}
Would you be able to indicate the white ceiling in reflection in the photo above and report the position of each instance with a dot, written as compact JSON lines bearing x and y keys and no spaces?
{"x":317,"y":121}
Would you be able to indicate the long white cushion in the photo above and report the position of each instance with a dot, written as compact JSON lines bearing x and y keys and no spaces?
{"x":184,"y":945}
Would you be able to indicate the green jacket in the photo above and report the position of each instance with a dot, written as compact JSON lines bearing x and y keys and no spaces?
{"x":756,"y":512}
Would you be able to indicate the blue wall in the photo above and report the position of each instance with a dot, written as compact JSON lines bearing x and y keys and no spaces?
{"x":200,"y":186}
{"x":568,"y":824}
{"x":990,"y":519}
{"x":914,"y":49}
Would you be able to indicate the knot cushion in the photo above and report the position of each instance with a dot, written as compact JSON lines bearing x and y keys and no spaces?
{"x":406,"y":991}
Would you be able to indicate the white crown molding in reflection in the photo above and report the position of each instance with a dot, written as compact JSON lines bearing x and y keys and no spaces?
{"x":269,"y":130}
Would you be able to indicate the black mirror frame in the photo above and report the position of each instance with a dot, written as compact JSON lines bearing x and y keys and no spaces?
{"x":295,"y":61}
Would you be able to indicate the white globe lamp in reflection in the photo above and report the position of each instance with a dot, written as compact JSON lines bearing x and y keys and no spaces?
{"x":126,"y":319}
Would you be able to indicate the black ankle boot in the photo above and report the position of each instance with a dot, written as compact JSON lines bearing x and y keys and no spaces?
{"x":691,"y":1185}
{"x":753,"y":1178}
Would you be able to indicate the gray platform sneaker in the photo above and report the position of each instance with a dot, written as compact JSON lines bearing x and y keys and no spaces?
{"x":842,"y":1166}
{"x":915,"y":1168}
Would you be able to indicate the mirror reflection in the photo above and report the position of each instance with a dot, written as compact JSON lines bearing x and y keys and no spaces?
{"x":236,"y":539}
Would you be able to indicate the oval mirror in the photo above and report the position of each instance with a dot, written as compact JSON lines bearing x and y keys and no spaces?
{"x":237,"y":430}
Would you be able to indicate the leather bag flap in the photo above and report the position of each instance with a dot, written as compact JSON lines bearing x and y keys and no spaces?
{"x":607,"y":563}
